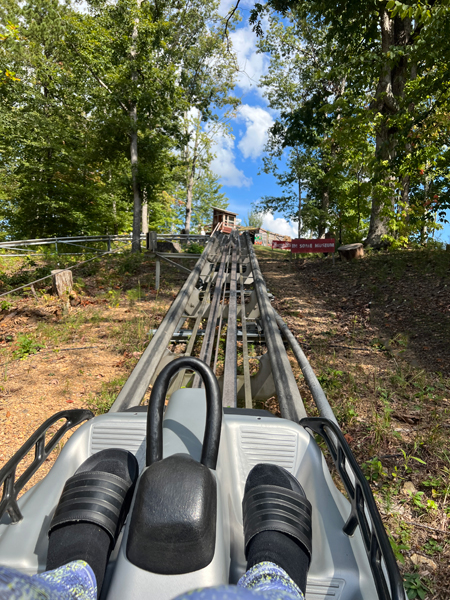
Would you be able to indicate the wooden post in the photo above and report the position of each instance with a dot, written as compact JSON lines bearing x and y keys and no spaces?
{"x":62,"y":282}
{"x":157,"y":273}
{"x":109,"y":244}
{"x":152,"y":241}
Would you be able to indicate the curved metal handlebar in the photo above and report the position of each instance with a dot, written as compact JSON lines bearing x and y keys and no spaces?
{"x":214,"y":411}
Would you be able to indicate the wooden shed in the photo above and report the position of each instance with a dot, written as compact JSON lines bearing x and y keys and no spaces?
{"x":227,"y":218}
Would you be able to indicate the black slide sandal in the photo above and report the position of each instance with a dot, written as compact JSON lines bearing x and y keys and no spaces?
{"x":275,"y":508}
{"x":277,"y":521}
{"x":92,"y":509}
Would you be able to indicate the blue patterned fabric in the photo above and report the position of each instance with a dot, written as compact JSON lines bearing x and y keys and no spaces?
{"x":264,"y":581}
{"x":76,"y":581}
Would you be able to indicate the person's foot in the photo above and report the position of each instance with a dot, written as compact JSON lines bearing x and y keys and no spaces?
{"x":91,"y":511}
{"x":277,"y":521}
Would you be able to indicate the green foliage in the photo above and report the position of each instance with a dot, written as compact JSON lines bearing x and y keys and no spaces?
{"x":331,"y":379}
{"x":134,"y":295}
{"x":102,"y":402}
{"x":129,"y":263}
{"x":432,"y":547}
{"x":398,"y":548}
{"x":194,"y":248}
{"x":364,"y":123}
{"x":26,"y":346}
{"x":114,"y":298}
{"x":75,"y":85}
{"x":373,"y":469}
{"x":254,"y":219}
{"x":206,"y":194}
{"x":415,"y":586}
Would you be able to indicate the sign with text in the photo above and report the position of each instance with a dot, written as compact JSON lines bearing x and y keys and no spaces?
{"x":281,"y":245}
{"x":304,"y":246}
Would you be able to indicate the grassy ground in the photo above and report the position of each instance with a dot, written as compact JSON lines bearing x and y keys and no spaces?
{"x":376,"y":334}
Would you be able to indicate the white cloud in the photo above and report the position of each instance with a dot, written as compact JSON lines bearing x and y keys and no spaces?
{"x":257,"y":121}
{"x":223,"y":164}
{"x":251,"y":65}
{"x":279,"y":225}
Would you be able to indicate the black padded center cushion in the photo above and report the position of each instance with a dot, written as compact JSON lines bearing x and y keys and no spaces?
{"x":93,"y":497}
{"x":173,"y":524}
{"x":272,"y":508}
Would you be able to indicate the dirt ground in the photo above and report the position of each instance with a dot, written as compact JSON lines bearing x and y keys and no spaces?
{"x":55,"y":356}
{"x":375,"y":331}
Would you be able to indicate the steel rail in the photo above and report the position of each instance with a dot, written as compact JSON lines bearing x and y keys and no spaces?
{"x":97,"y":238}
{"x":208,"y":340}
{"x":219,"y":330}
{"x":137,"y":384}
{"x":229,"y":391}
{"x":316,"y":389}
{"x":289,"y":398}
{"x":247,"y":384}
{"x":178,"y":382}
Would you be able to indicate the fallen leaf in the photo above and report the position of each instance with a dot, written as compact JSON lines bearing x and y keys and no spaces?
{"x":8,"y":414}
{"x":70,"y":401}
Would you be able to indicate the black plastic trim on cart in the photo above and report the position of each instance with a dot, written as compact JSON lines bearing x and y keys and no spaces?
{"x":363,"y":505}
{"x":11,"y":487}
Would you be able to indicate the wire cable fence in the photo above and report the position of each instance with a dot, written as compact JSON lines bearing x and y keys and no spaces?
{"x":80,"y":243}
{"x":84,"y":243}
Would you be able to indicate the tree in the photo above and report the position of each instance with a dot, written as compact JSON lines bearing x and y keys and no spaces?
{"x":301,"y":84}
{"x":383,"y":51}
{"x":91,"y":108}
{"x":254,"y":218}
{"x":53,"y":172}
{"x":204,"y":195}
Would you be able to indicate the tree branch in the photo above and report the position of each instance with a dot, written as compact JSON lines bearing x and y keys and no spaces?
{"x":230,"y":15}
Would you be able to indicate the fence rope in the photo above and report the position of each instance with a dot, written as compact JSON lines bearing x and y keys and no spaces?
{"x":67,"y":269}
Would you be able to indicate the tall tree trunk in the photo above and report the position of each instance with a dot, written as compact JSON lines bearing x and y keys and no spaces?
{"x":191,"y":178}
{"x":299,"y":207}
{"x":144,"y":212}
{"x":325,"y":204}
{"x":390,"y":89}
{"x":114,"y":208}
{"x":189,"y":193}
{"x":136,"y":235}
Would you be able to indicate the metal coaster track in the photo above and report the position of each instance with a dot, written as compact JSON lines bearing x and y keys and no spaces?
{"x":226,"y":290}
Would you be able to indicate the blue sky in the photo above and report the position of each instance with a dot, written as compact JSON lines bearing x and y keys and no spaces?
{"x":238,"y":161}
